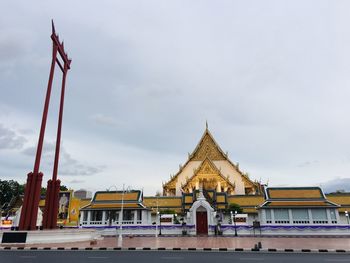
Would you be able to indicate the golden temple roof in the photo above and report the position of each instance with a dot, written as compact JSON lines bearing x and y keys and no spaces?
{"x":296,"y":197}
{"x":294,"y":193}
{"x":208,"y":148}
{"x":343,"y":199}
{"x":116,"y":200}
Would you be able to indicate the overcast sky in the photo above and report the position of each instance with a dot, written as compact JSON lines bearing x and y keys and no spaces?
{"x":272,"y":78}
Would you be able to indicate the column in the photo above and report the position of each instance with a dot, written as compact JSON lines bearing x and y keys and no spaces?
{"x":81,"y":217}
{"x":329,"y":219}
{"x":135,"y":217}
{"x":103,"y":217}
{"x":310,"y":216}
{"x":272,"y":216}
{"x":290,"y":216}
{"x":120,"y":217}
{"x":88,"y":217}
{"x":197,"y":185}
{"x":218,"y":188}
{"x":262,"y":215}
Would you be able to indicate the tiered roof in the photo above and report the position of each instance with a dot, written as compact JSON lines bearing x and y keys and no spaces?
{"x":116,"y":200}
{"x":284,"y":197}
{"x":208,"y":149}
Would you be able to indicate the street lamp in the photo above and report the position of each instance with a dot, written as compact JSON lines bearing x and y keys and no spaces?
{"x":160,"y":223}
{"x":120,"y":237}
{"x":234,"y":220}
{"x":347,"y":216}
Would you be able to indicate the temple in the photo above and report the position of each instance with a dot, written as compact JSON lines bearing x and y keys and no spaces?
{"x":210,"y":169}
{"x":208,"y":195}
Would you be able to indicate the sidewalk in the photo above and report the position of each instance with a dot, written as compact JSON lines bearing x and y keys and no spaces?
{"x":212,"y":242}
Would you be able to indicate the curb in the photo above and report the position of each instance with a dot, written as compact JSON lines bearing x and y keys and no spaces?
{"x":207,"y":249}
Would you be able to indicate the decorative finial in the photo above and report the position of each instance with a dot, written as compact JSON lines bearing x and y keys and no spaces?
{"x":53,"y":27}
{"x":206,"y":124}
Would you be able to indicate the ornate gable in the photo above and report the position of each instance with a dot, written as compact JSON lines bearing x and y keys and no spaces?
{"x":207,"y":147}
{"x":208,"y":176}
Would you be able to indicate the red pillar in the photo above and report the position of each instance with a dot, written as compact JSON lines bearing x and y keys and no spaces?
{"x":53,"y":186}
{"x":30,"y":206}
{"x":31,"y":200}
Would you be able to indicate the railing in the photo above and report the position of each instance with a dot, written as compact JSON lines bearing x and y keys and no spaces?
{"x":114,"y":223}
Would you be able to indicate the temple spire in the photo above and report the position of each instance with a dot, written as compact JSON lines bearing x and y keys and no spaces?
{"x":206,"y":124}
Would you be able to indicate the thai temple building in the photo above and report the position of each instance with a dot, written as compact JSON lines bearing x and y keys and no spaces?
{"x":201,"y":198}
{"x":209,"y":195}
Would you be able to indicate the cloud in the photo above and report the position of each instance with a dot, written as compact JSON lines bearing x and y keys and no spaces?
{"x":307,"y":164}
{"x":337,"y":184}
{"x":68,"y":166}
{"x":76,"y":181}
{"x":10,"y":140}
{"x":104,"y":120}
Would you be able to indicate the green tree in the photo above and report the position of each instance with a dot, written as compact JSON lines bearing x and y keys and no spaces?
{"x":234,"y":207}
{"x":9,"y":189}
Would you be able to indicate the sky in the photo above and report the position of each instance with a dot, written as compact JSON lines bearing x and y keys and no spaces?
{"x":270,"y":77}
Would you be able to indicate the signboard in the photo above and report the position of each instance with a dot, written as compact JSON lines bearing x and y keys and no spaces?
{"x":6,"y":223}
{"x":14,"y":237}
{"x":166,"y":220}
{"x":63,"y":205}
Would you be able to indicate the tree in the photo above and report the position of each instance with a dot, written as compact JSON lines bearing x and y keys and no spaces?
{"x":234,"y":207}
{"x":9,"y":189}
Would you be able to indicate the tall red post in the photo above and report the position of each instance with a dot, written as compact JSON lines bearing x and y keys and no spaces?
{"x":30,"y":206}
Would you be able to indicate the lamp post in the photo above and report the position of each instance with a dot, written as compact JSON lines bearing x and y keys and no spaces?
{"x":160,"y":223}
{"x":234,"y":221}
{"x":120,"y":237}
{"x":347,"y":217}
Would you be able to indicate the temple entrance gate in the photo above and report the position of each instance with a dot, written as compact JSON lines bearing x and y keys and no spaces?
{"x":201,"y":214}
{"x":202,"y":221}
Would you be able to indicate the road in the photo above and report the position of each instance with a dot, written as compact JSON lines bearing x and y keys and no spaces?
{"x":164,"y":256}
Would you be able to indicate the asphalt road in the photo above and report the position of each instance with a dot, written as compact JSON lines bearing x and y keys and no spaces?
{"x":164,"y":256}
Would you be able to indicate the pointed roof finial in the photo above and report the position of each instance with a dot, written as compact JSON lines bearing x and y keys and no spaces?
{"x":206,"y":124}
{"x":53,"y":27}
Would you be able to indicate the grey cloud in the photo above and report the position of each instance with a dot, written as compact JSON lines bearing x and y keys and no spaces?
{"x":337,"y":184}
{"x":68,"y":166}
{"x":76,"y":181}
{"x":72,"y":167}
{"x":271,"y":77}
{"x":104,"y":120}
{"x":307,"y":164}
{"x":9,"y":139}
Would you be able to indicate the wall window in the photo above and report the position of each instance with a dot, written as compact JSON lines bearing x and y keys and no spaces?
{"x":268,"y":216}
{"x":96,"y":216}
{"x":333,"y":216}
{"x":281,"y":216}
{"x":319,"y":216}
{"x":85,"y":215}
{"x":127,"y":215}
{"x":300,"y":216}
{"x":139,"y":215}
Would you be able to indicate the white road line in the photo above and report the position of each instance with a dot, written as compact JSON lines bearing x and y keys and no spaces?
{"x":337,"y":259}
{"x":176,"y":258}
{"x":257,"y":259}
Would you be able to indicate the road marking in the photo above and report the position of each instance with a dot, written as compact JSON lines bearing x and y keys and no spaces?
{"x":337,"y":260}
{"x":27,"y":256}
{"x":257,"y":259}
{"x":98,"y":257}
{"x":176,"y":258}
